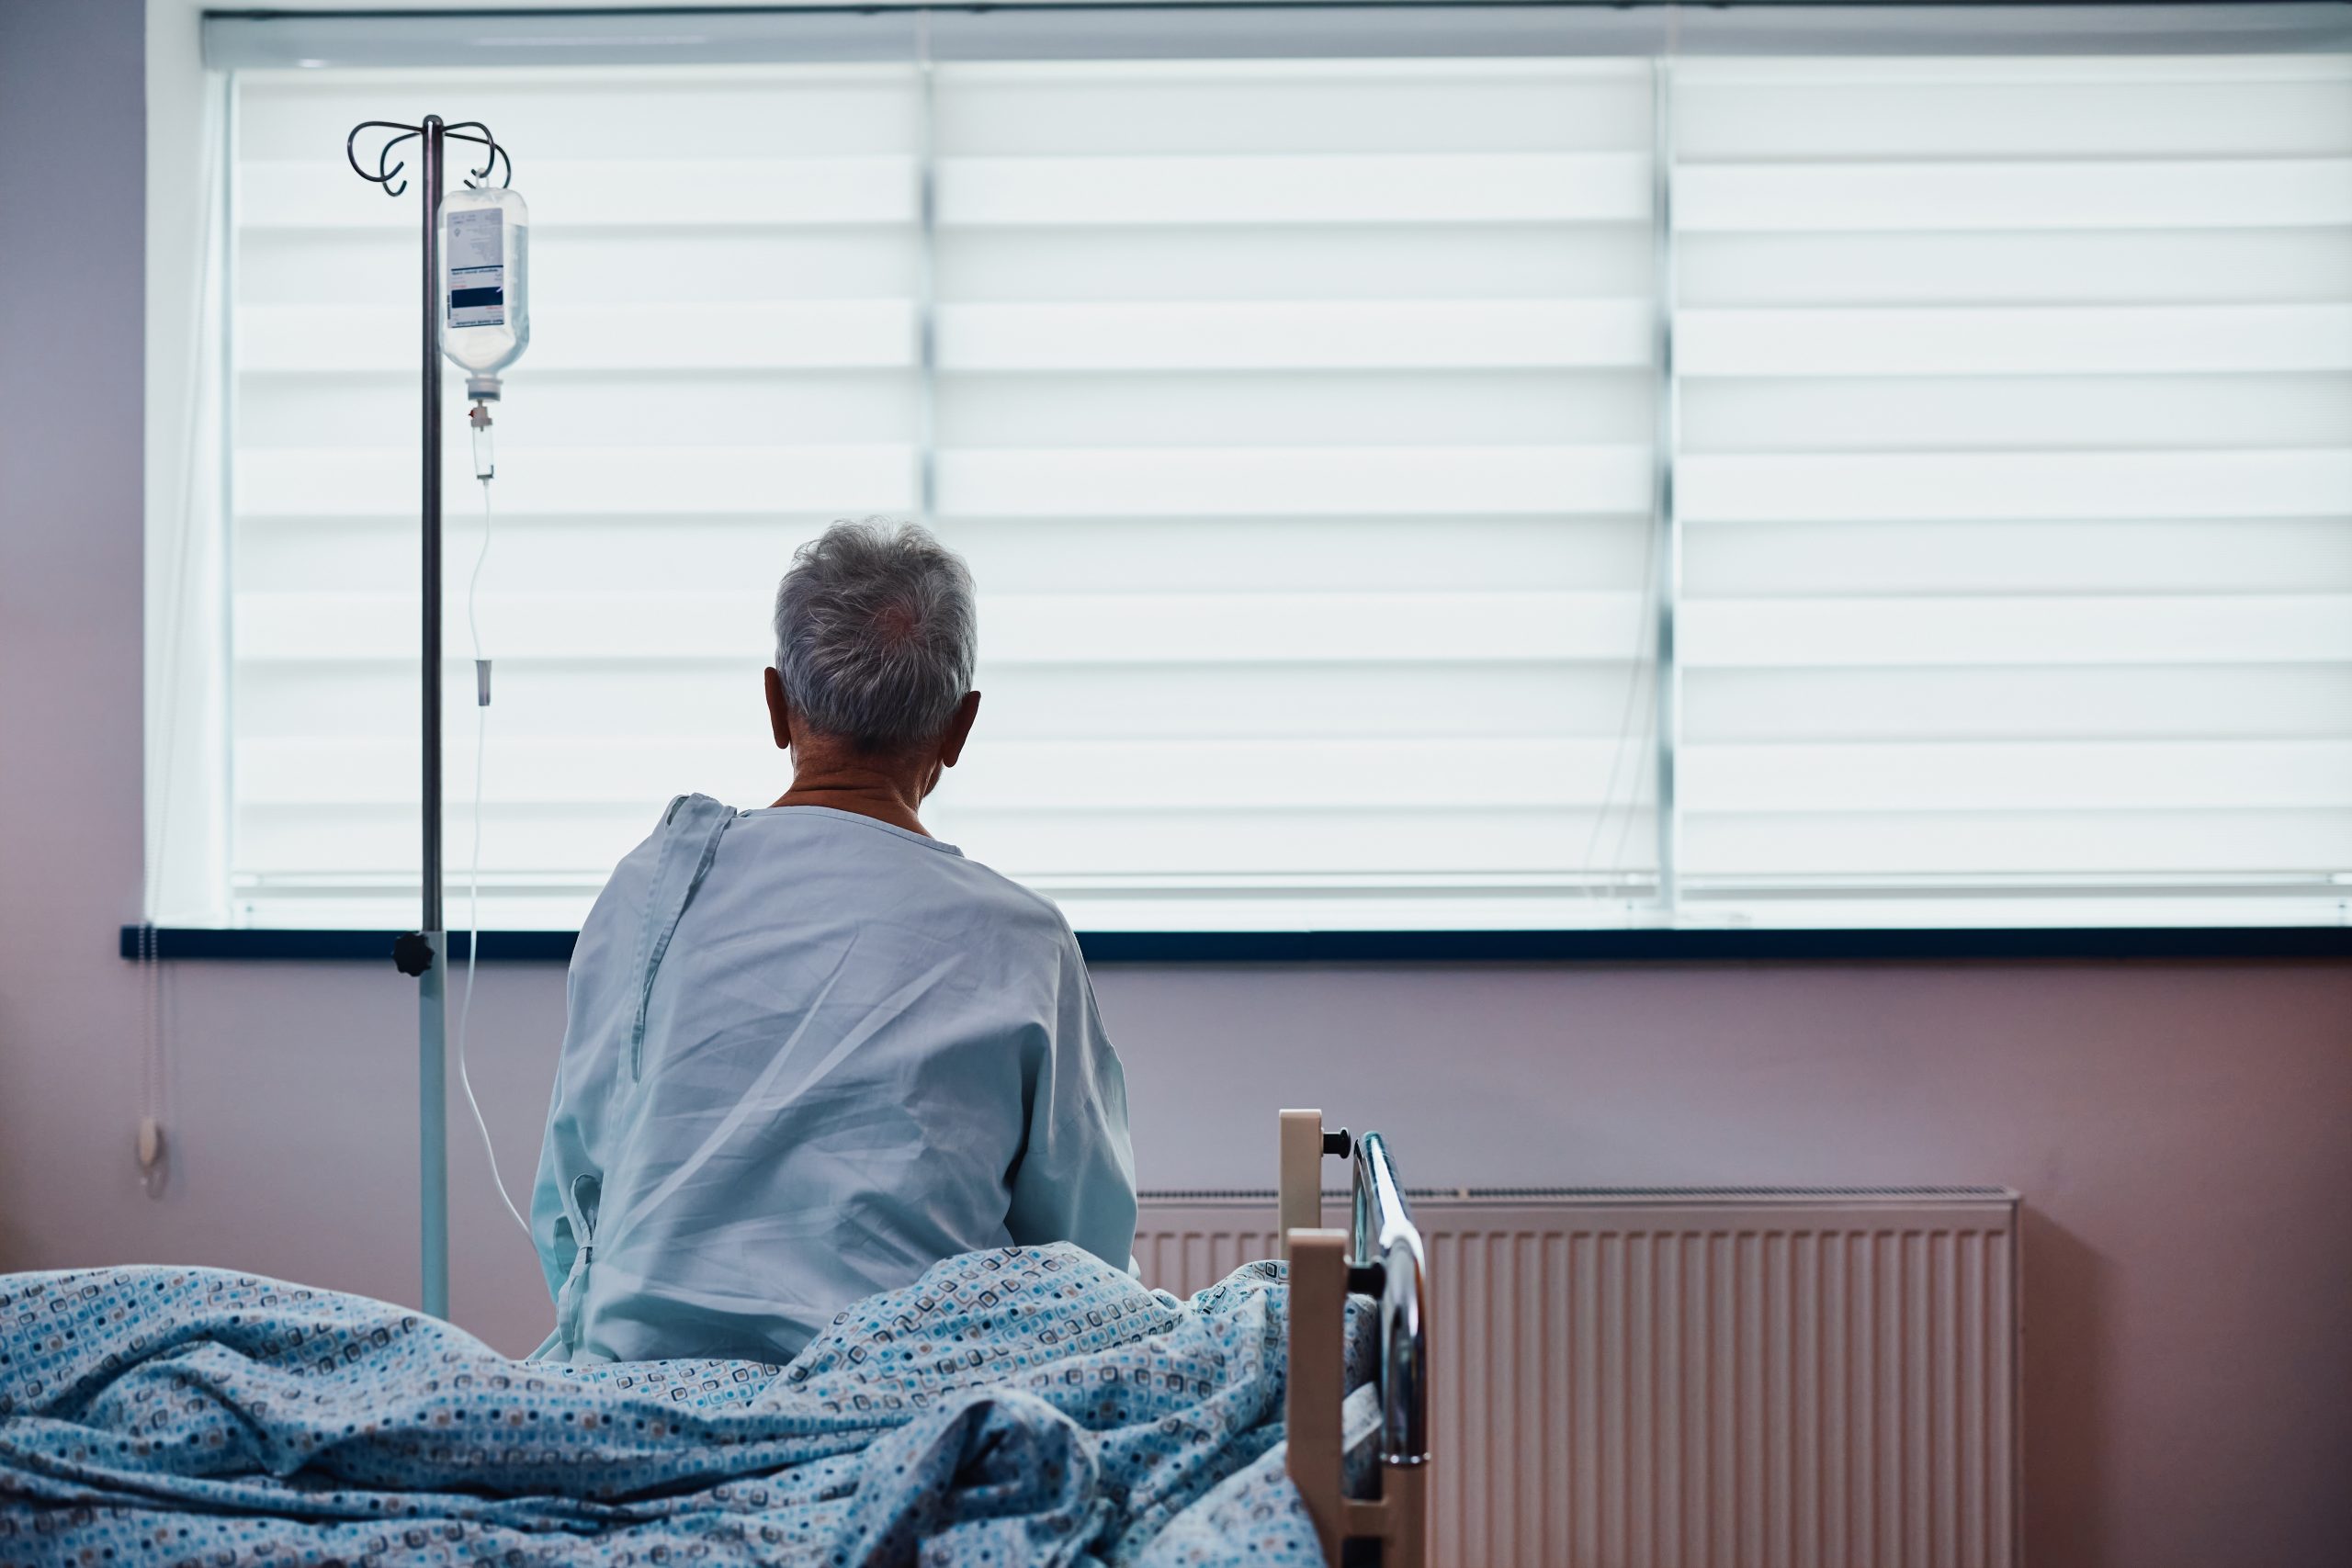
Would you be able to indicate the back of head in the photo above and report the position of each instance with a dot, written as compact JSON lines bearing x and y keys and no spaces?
{"x":876,"y":634}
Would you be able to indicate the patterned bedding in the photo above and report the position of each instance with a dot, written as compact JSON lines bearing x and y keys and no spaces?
{"x":1031,"y":1405}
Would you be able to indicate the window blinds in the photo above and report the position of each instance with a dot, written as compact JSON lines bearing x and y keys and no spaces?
{"x":724,"y":358}
{"x":1300,"y":418}
{"x":1295,"y":416}
{"x":2015,"y":485}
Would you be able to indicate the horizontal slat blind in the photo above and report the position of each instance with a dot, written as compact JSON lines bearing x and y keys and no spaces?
{"x":1295,"y":416}
{"x":724,"y":357}
{"x":2014,"y":480}
{"x":1303,"y":409}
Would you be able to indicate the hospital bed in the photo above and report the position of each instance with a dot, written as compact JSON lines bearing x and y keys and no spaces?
{"x":1380,"y":1255}
{"x":1011,"y":1406}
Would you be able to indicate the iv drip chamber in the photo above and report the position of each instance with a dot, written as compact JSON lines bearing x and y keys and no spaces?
{"x":485,"y":283}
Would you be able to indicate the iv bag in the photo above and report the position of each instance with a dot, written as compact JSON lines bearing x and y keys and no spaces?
{"x":485,"y":284}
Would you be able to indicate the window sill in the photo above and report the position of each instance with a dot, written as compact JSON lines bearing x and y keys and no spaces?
{"x":1775,"y":946}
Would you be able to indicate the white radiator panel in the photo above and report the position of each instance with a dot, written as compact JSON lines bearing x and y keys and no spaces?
{"x":1700,"y":1379}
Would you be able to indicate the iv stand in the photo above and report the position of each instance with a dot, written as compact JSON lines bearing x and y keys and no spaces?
{"x":423,"y":952}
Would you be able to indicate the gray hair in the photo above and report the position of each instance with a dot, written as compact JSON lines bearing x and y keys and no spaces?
{"x":876,"y":634}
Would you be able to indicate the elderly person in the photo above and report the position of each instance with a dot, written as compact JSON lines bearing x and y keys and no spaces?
{"x":811,"y":1049}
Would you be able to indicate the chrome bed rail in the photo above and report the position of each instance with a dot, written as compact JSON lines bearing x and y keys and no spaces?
{"x":1386,"y":1259}
{"x":1380,"y":1255}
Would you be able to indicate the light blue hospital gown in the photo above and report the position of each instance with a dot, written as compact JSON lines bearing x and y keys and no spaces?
{"x":808,"y":1055}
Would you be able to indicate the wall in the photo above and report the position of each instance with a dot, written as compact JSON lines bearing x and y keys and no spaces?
{"x":2183,"y":1133}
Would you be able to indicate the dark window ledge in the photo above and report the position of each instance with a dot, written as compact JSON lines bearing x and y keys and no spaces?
{"x":1423,"y":947}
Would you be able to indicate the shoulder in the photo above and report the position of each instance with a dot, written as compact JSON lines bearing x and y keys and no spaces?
{"x":1023,"y":908}
{"x":687,"y":817}
{"x":626,"y":889}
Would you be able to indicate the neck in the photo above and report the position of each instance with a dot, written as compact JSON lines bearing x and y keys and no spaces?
{"x":887,"y":790}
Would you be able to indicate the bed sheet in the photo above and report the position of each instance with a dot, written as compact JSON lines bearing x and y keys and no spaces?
{"x":1028,"y":1405}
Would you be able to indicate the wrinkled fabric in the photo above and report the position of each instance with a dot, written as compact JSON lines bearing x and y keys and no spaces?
{"x":808,"y":1055}
{"x":1009,"y":1408}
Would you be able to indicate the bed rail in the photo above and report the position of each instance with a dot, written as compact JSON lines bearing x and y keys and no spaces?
{"x":1381,"y":1254}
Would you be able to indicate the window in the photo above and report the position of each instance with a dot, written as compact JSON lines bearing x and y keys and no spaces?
{"x":723,"y":359}
{"x":1301,"y":410}
{"x":1423,"y":471}
{"x":2014,"y":477}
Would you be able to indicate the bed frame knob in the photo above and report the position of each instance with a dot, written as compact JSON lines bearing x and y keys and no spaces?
{"x":1367,"y":1279}
{"x":1339,"y":1143}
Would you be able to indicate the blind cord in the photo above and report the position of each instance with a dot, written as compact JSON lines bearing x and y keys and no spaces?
{"x":1644,"y":661}
{"x":473,"y":870}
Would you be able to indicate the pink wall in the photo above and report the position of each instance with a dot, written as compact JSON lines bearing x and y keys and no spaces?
{"x":2183,"y":1133}
{"x":2178,"y":1132}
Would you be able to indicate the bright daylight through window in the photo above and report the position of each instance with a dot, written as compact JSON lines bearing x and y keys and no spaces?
{"x":1308,"y":426}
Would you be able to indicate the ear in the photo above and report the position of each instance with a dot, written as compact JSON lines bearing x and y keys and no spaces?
{"x":959,"y":730}
{"x":779,"y":711}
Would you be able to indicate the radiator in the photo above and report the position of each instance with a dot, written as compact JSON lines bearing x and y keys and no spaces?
{"x":1699,"y":1379}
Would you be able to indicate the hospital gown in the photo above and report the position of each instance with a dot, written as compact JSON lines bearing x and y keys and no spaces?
{"x":808,"y":1055}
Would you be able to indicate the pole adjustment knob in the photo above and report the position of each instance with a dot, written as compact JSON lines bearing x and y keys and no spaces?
{"x":413,"y":954}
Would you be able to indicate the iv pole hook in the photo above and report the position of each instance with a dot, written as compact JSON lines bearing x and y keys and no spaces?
{"x":382,"y":177}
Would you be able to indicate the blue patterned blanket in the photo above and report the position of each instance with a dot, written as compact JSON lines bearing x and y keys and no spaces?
{"x":1024,"y":1406}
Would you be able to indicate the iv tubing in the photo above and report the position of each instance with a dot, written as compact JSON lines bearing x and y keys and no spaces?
{"x":473,"y":875}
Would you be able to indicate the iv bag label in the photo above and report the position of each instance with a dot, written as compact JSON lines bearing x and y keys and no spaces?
{"x":477,"y":268}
